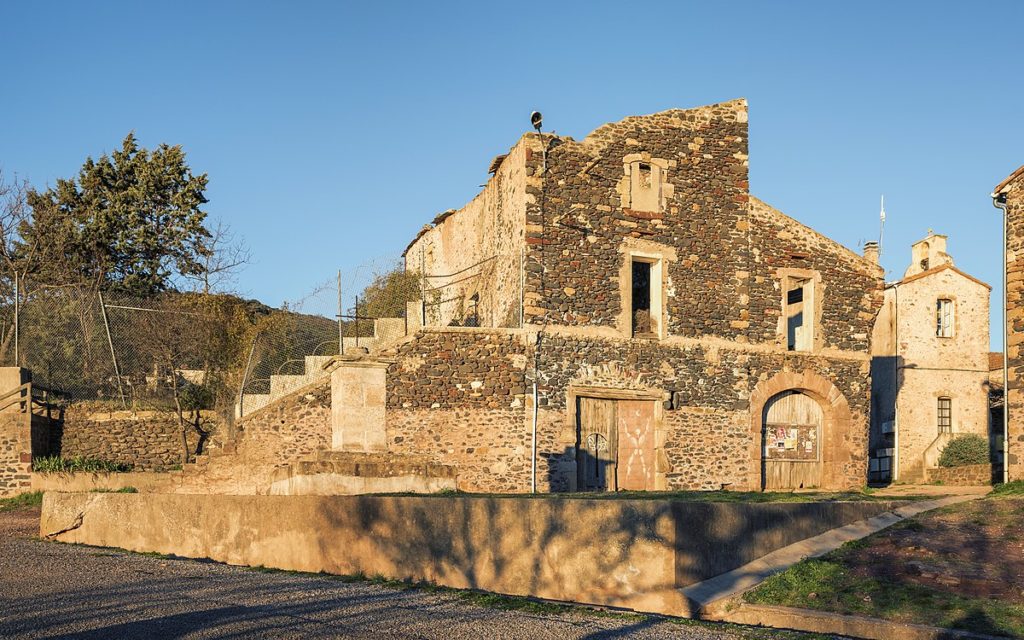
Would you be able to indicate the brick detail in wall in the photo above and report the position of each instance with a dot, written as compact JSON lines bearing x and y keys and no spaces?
{"x":15,"y":454}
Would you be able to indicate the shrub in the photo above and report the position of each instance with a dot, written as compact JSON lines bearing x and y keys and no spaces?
{"x":56,"y":464}
{"x":966,"y":449}
{"x":194,"y":397}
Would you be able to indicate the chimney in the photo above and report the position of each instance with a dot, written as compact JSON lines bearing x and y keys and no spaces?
{"x":871,"y":251}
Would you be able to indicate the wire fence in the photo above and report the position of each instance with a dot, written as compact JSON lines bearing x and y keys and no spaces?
{"x":224,"y":352}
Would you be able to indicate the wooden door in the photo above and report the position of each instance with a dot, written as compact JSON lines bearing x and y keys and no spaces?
{"x":792,"y":442}
{"x":635,"y":461}
{"x":597,"y":444}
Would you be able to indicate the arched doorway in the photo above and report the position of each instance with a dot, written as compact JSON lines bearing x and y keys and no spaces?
{"x":791,"y":437}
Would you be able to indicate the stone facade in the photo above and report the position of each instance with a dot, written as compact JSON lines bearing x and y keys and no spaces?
{"x":1011,"y":192}
{"x":650,"y":275}
{"x":926,"y":363}
{"x":147,"y":440}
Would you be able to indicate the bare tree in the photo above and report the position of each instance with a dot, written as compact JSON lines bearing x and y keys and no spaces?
{"x":226,"y":256}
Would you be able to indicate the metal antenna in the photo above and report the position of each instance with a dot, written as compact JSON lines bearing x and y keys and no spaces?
{"x":881,"y":225}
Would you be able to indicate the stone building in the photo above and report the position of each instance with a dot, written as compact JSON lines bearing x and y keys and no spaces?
{"x":1010,"y":194}
{"x":619,"y":313}
{"x":930,"y":367}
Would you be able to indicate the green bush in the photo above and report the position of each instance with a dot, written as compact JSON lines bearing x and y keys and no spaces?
{"x":966,"y":449}
{"x":56,"y":464}
{"x":194,"y":397}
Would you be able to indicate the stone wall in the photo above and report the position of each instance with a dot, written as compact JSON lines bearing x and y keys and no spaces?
{"x":1013,"y":187}
{"x":458,"y":396}
{"x":15,"y":454}
{"x":147,"y":440}
{"x":969,"y":475}
{"x":291,"y":429}
{"x":477,"y":250}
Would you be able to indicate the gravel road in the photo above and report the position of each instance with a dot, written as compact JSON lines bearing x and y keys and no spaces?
{"x":52,"y":590}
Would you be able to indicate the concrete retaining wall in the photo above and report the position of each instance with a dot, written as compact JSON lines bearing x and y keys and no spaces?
{"x":624,"y":553}
{"x":72,"y":482}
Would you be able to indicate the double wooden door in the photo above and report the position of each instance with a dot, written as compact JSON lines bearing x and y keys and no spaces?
{"x":615,"y":445}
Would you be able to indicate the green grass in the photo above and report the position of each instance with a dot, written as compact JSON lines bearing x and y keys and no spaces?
{"x":866,"y":495}
{"x":1015,"y":488}
{"x":57,"y":464}
{"x":22,"y":501}
{"x":828,"y":584}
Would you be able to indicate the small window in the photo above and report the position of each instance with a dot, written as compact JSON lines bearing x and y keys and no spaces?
{"x":944,"y":318}
{"x":645,"y":175}
{"x":798,"y":312}
{"x":641,"y":311}
{"x":945,"y":415}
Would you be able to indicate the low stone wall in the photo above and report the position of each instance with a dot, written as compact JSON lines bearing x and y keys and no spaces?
{"x":147,"y":440}
{"x":72,"y":482}
{"x":970,"y":475}
{"x":623,"y":553}
{"x":293,"y":428}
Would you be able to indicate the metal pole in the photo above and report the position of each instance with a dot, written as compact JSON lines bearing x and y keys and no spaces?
{"x":341,"y":331}
{"x":17,"y":312}
{"x":423,"y":290}
{"x":245,"y":375}
{"x":357,"y":321}
{"x":113,"y":354}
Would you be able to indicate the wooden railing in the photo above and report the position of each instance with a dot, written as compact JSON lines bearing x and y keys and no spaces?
{"x":27,"y":396}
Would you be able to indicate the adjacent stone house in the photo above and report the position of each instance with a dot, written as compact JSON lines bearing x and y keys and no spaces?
{"x":619,"y":313}
{"x":1010,"y":194}
{"x":930,"y":369}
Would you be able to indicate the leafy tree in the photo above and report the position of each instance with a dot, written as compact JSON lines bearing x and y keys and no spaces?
{"x":130,"y":222}
{"x":388,"y":293}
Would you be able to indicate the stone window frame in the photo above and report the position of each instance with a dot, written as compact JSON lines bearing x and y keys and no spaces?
{"x":659,"y":256}
{"x":783,"y":277}
{"x":953,"y":316}
{"x":659,"y":179}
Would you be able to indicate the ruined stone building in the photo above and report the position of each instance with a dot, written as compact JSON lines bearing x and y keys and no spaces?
{"x":1010,"y":194}
{"x":619,"y":312}
{"x":930,"y":368}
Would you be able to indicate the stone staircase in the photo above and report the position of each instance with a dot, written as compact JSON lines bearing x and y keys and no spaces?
{"x":386,"y":331}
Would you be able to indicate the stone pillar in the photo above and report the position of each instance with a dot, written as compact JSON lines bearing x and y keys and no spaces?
{"x":358,"y":399}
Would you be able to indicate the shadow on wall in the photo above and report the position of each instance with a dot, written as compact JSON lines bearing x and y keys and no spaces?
{"x":886,"y":382}
{"x":589,"y":550}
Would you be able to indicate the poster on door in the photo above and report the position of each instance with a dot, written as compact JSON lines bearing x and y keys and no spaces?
{"x":791,"y":442}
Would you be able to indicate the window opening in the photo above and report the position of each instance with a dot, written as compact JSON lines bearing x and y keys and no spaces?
{"x":944,"y":318}
{"x":945,"y":415}
{"x":798,"y":313}
{"x":641,"y":312}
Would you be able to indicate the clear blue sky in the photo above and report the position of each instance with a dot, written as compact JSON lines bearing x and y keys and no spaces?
{"x":332,"y":131}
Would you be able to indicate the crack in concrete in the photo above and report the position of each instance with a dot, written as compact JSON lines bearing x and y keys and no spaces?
{"x":74,"y":525}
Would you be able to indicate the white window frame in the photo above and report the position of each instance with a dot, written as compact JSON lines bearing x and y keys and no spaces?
{"x":945,"y":318}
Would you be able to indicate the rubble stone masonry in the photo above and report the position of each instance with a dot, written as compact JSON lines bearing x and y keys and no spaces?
{"x":1013,"y":188}
{"x":147,"y":440}
{"x":718,"y":337}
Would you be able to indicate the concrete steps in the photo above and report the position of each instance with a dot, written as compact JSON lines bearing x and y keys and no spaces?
{"x":386,"y":331}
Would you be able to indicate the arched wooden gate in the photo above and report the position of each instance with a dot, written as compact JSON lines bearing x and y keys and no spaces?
{"x":792,"y":442}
